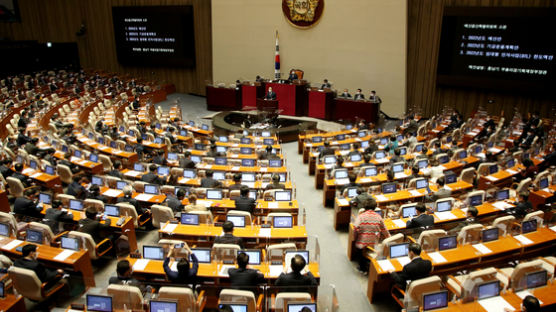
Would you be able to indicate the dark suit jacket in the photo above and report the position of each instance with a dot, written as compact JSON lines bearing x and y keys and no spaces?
{"x":43,"y":273}
{"x":159,"y":160}
{"x":23,"y":178}
{"x":187,"y":163}
{"x":229,"y":239}
{"x":358,"y":96}
{"x":151,"y":178}
{"x":272,"y":186}
{"x":245,"y":277}
{"x":174,"y":203}
{"x":53,"y":216}
{"x":5,"y":171}
{"x":245,"y":204}
{"x":174,"y":277}
{"x":126,"y":281}
{"x":295,"y":279}
{"x":270,"y":96}
{"x":115,"y":173}
{"x":210,"y":182}
{"x":76,"y":190}
{"x":419,"y":221}
{"x":235,"y":186}
{"x":345,"y":95}
{"x":132,"y":201}
{"x":27,"y":207}
{"x":94,"y":228}
{"x":326,"y":151}
{"x":416,"y":269}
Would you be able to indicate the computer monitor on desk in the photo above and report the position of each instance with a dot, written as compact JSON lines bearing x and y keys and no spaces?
{"x":388,"y":188}
{"x":370,"y":172}
{"x":248,"y":162}
{"x":450,"y":178}
{"x":248,"y":177}
{"x":98,"y":303}
{"x":409,"y":211}
{"x":76,"y":204}
{"x":351,"y":192}
{"x":380,"y":155}
{"x":502,"y":194}
{"x":447,"y":242}
{"x":444,"y":205}
{"x":238,"y":221}
{"x":153,"y":253}
{"x":138,"y":167}
{"x":399,"y":250}
{"x":423,"y":163}
{"x":528,"y":226}
{"x":222,"y":161}
{"x":189,"y":173}
{"x":163,"y":306}
{"x":275,"y":163}
{"x":397,"y":168}
{"x":120,"y":185}
{"x":302,"y":307}
{"x":490,"y":235}
{"x":329,"y":160}
{"x":493,"y":169}
{"x":45,"y":198}
{"x":202,"y":254}
{"x":111,"y":210}
{"x":435,"y":300}
{"x":475,"y":200}
{"x":151,"y":189}
{"x":163,"y":171}
{"x":97,"y":181}
{"x":316,"y":139}
{"x":172,"y":156}
{"x":290,"y":254}
{"x":189,"y":219}
{"x":4,"y":229}
{"x":536,"y":279}
{"x":219,"y":175}
{"x":34,"y":236}
{"x":284,"y":222}
{"x":49,"y":170}
{"x":488,"y":290}
{"x":543,"y":183}
{"x":70,"y":243}
{"x":283,"y":195}
{"x":234,"y":306}
{"x":421,"y":184}
{"x":214,"y":194}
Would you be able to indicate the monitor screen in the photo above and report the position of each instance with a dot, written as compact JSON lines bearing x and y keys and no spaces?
{"x":199,"y":146}
{"x":478,"y":149}
{"x":422,"y":163}
{"x":443,"y":159}
{"x":204,"y":127}
{"x":397,"y":168}
{"x":502,"y":194}
{"x":283,"y":195}
{"x":34,"y":236}
{"x":408,"y":212}
{"x":202,"y":254}
{"x":489,"y":289}
{"x":4,"y":229}
{"x":340,"y":137}
{"x":449,"y":139}
{"x":97,"y":181}
{"x":189,"y":219}
{"x":221,"y":149}
{"x":238,"y":221}
{"x":379,"y":155}
{"x":219,"y":175}
{"x":282,"y":177}
{"x":275,"y":163}
{"x":418,"y":147}
{"x":536,"y":279}
{"x":172,"y":156}
{"x":421,"y":184}
{"x":462,"y":154}
{"x":153,"y":253}
{"x":33,"y":164}
{"x":365,"y":144}
{"x":253,"y":194}
{"x":316,"y":139}
{"x":151,"y":189}
{"x":76,"y":204}
{"x":191,"y":123}
{"x":344,"y":147}
{"x":493,"y":169}
{"x":290,"y":254}
{"x":196,"y":159}
{"x":528,"y":226}
{"x":138,"y":167}
{"x":329,"y":160}
{"x":436,"y":300}
{"x":248,"y":162}
{"x":388,"y":188}
{"x":351,"y":192}
{"x":282,"y":222}
{"x":476,"y":200}
{"x":111,"y":210}
{"x":403,"y":151}
{"x":245,"y":150}
{"x":445,"y":205}
{"x":399,"y":250}
{"x":362,"y":133}
{"x":163,"y":306}
{"x":448,"y":242}
{"x":265,"y":134}
{"x":131,"y":133}
{"x":254,"y":256}
{"x":214,"y":194}
{"x":163,"y":171}
{"x":45,"y":198}
{"x":158,"y":140}
{"x":543,"y":183}
{"x":370,"y":172}
{"x":383,"y":141}
{"x":451,"y":178}
{"x":120,"y":185}
{"x":128,"y":148}
{"x":268,"y":141}
{"x":245,"y":141}
{"x":113,"y":144}
{"x":510,"y":163}
{"x":99,"y":303}
{"x":49,"y":170}
{"x":93,"y":157}
{"x":223,"y":138}
{"x":183,"y":132}
{"x":248,"y":177}
{"x":121,"y":129}
{"x":77,"y":153}
{"x":71,"y":243}
{"x":235,"y":307}
{"x":65,"y":148}
{"x":189,"y":173}
{"x":340,"y":174}
{"x":490,"y":235}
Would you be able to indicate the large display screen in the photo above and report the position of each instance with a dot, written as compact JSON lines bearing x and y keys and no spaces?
{"x":154,"y":35}
{"x":498,"y":48}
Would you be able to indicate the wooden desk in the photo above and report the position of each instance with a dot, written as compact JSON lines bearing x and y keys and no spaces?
{"x":349,"y":109}
{"x":79,"y":261}
{"x":41,"y":178}
{"x":541,"y":196}
{"x":4,"y":202}
{"x":129,"y":157}
{"x":222,"y":98}
{"x":12,"y":303}
{"x":89,"y":166}
{"x":499,"y":179}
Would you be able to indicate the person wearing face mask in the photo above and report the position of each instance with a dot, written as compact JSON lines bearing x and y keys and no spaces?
{"x":359,"y":95}
{"x":29,"y":261}
{"x":270,"y":95}
{"x":345,"y":94}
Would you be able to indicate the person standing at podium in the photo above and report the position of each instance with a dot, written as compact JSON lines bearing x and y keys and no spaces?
{"x":359,"y":95}
{"x":270,"y":95}
{"x":375,"y":98}
{"x":327,"y":85}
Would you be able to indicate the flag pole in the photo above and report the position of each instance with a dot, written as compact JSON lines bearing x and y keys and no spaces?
{"x":277,"y":59}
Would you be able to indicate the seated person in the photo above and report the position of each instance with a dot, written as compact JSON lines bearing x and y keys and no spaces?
{"x":27,"y":205}
{"x":244,"y":202}
{"x":422,"y":219}
{"x":228,"y":237}
{"x":29,"y":261}
{"x":237,"y":182}
{"x":186,"y":274}
{"x":414,"y":270}
{"x":244,"y":277}
{"x":472,"y":214}
{"x":160,"y":159}
{"x":128,"y":191}
{"x":523,"y":206}
{"x":123,"y":271}
{"x":140,"y":148}
{"x":212,"y":151}
{"x":352,"y":178}
{"x":361,"y":198}
{"x":92,"y":226}
{"x":94,"y":193}
{"x":295,"y":278}
{"x":152,"y":177}
{"x":293,"y":75}
{"x":442,"y":191}
{"x":267,"y":154}
{"x":55,"y":214}
{"x":396,"y":157}
{"x":193,"y":206}
{"x":359,"y":95}
{"x":66,"y":162}
{"x":209,"y":182}
{"x":75,"y":188}
{"x":345,"y":94}
{"x":5,"y":167}
{"x":174,"y":202}
{"x":20,"y":176}
{"x":31,"y":147}
{"x":117,"y":165}
{"x":275,"y":185}
{"x":327,"y":150}
{"x":186,"y":161}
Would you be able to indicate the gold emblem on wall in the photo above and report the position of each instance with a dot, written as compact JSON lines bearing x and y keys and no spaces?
{"x":303,"y":13}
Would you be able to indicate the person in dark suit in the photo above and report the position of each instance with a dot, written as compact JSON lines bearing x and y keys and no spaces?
{"x":472,"y":214}
{"x":414,"y":270}
{"x":345,"y":94}
{"x":116,"y":171}
{"x":374,"y":98}
{"x":523,"y":206}
{"x":442,"y":192}
{"x":76,"y":189}
{"x":22,"y":139}
{"x":352,"y":177}
{"x":176,"y":202}
{"x":66,"y":162}
{"x":94,"y":193}
{"x":92,"y":226}
{"x":5,"y":167}
{"x":20,"y":176}
{"x":270,"y":95}
{"x":237,"y":182}
{"x":293,"y":76}
{"x":123,"y":271}
{"x":55,"y":214}
{"x":139,"y":147}
{"x":244,"y":277}
{"x":268,"y":154}
{"x":244,"y":202}
{"x":29,"y":261}
{"x":27,"y":205}
{"x":170,"y":135}
{"x":327,"y":150}
{"x":397,"y":156}
{"x":31,"y":147}
{"x":209,"y":182}
{"x":422,"y":219}
{"x":186,"y":161}
{"x":359,"y":95}
{"x":152,"y":177}
{"x":325,"y":85}
{"x":295,"y":278}
{"x":187,"y":273}
{"x":159,"y":159}
{"x":128,"y":191}
{"x":228,"y":237}
{"x":275,"y":185}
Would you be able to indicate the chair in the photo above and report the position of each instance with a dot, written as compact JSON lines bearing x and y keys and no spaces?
{"x":382,"y":250}
{"x":65,"y":173}
{"x":514,"y":277}
{"x":226,"y":253}
{"x":450,"y":199}
{"x":470,"y":234}
{"x":270,"y":216}
{"x":204,"y":216}
{"x":234,"y":194}
{"x":484,"y":168}
{"x":125,"y":297}
{"x":413,"y":296}
{"x":106,"y":162}
{"x":429,"y":239}
{"x":185,"y":298}
{"x":95,"y":203}
{"x":11,"y":221}
{"x":139,"y":186}
{"x":463,"y":285}
{"x":536,"y":215}
{"x":231,"y":296}
{"x":111,"y":181}
{"x":27,"y":284}
{"x":95,"y":250}
{"x":467,"y":175}
{"x":523,"y":185}
{"x":244,"y":214}
{"x":65,"y":199}
{"x":475,"y":193}
{"x":283,"y":298}
{"x":161,"y":214}
{"x":15,"y":187}
{"x":504,"y":224}
{"x":128,"y":210}
{"x":48,"y":235}
{"x":275,"y":253}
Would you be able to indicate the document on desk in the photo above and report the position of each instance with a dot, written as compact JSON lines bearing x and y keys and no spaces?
{"x":403,"y":260}
{"x":264,"y":232}
{"x":523,"y":240}
{"x":364,"y":180}
{"x":437,"y":257}
{"x":491,"y":178}
{"x":445,"y":215}
{"x":399,"y":223}
{"x":553,"y":228}
{"x":547,"y":190}
{"x":343,"y":202}
{"x":415,"y":193}
{"x":140,"y":264}
{"x":235,"y":168}
{"x":447,"y":187}
{"x":524,"y":293}
{"x":224,"y":269}
{"x":501,"y":205}
{"x":381,"y":197}
{"x":482,"y":248}
{"x":263,"y":169}
{"x":400,"y":175}
{"x":36,"y":175}
{"x":382,"y":160}
{"x":133,"y":173}
{"x":170,"y":227}
{"x":328,"y":166}
{"x":386,"y":265}
{"x":112,"y":193}
{"x":496,"y":304}
{"x":275,"y":270}
{"x":512,"y":172}
{"x":63,"y":255}
{"x":144,"y":197}
{"x":341,"y":181}
{"x":272,"y":204}
{"x":28,"y":170}
{"x":13,"y":244}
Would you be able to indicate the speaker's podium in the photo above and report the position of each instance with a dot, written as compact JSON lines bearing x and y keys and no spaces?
{"x":267,"y":105}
